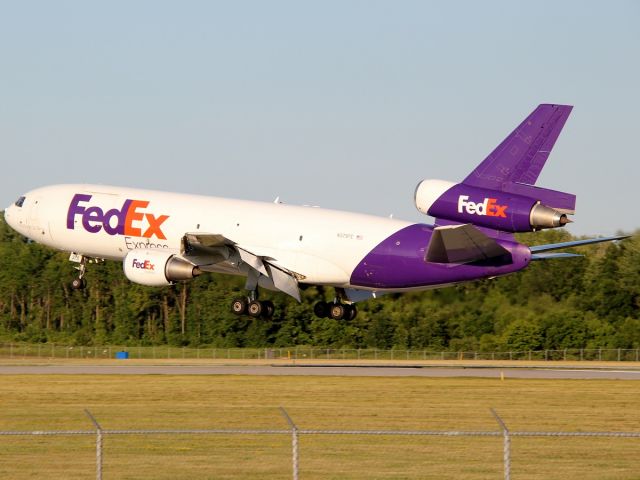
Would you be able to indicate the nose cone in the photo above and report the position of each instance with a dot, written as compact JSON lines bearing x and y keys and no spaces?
{"x":12,"y":216}
{"x":8,"y":216}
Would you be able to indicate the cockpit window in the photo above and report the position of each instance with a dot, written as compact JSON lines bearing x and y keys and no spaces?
{"x":20,"y":201}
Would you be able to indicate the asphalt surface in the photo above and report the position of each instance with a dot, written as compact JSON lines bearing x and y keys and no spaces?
{"x":329,"y":370}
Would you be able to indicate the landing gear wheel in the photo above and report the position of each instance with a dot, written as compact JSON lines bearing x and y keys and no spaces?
{"x":78,"y":283}
{"x":350,"y":312}
{"x":321,"y":309}
{"x":239,"y":306}
{"x":255,"y":308}
{"x":268,"y":309}
{"x":337,"y":311}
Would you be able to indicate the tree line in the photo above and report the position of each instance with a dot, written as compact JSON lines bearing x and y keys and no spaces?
{"x":589,"y":302}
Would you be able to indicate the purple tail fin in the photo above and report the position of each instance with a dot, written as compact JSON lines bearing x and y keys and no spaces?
{"x":522,"y":155}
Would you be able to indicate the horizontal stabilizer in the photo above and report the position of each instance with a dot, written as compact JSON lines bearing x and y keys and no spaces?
{"x":551,"y":256}
{"x":576,"y":243}
{"x":462,"y":244}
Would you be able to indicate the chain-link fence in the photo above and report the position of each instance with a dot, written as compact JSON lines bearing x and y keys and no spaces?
{"x":295,"y":432}
{"x":44,"y":350}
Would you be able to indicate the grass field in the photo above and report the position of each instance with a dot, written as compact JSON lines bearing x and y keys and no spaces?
{"x":146,"y":402}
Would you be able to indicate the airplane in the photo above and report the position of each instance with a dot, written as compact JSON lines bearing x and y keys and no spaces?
{"x":162,"y":238}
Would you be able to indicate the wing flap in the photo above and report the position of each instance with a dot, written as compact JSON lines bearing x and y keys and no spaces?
{"x":207,"y":249}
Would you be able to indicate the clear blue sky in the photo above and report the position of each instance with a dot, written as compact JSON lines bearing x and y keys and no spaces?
{"x":343,"y":104}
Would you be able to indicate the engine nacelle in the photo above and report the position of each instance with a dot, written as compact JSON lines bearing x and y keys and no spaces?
{"x":157,"y":268}
{"x":500,"y":210}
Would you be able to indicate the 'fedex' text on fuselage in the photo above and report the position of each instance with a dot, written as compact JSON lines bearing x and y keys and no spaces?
{"x":130,"y":220}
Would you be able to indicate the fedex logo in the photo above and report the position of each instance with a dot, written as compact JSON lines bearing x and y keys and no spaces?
{"x":488,"y":207}
{"x":146,"y":265}
{"x":130,"y":220}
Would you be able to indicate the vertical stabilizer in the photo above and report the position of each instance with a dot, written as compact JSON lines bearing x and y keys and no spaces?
{"x":522,"y":155}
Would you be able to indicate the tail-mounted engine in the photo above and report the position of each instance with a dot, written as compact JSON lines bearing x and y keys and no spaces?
{"x":156,"y":268}
{"x":520,"y":208}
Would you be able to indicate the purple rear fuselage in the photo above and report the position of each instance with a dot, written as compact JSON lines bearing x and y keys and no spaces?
{"x":398,"y":263}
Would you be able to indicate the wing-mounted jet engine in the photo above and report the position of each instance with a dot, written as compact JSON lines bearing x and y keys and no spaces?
{"x":155,"y":268}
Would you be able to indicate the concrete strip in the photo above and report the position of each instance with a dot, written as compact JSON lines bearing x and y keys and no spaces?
{"x":326,"y":370}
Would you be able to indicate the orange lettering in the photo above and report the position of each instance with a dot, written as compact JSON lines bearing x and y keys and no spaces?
{"x":133,"y":216}
{"x":154,"y":226}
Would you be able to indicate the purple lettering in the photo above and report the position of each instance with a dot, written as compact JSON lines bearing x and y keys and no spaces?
{"x":92,"y":214}
{"x":76,"y":209}
{"x":119,"y":215}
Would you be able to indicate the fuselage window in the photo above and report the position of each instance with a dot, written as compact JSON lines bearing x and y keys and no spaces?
{"x":20,"y":201}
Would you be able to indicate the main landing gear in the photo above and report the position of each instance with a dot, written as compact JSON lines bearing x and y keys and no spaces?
{"x":253,"y":307}
{"x":338,"y":309}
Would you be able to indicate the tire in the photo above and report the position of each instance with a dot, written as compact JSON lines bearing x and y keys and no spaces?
{"x":336,"y":311}
{"x":321,"y":309}
{"x":255,"y":308}
{"x":268,"y":309}
{"x":239,"y":306}
{"x":78,"y":283}
{"x":351,"y":313}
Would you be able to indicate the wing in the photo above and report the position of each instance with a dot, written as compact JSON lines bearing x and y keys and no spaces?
{"x":210,"y":251}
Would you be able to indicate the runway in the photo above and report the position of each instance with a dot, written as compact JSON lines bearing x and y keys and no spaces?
{"x":525,"y":372}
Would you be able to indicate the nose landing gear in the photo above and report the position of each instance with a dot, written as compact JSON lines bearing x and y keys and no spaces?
{"x":80,"y":282}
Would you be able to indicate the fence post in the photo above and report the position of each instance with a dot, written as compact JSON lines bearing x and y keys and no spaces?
{"x":294,"y":442}
{"x":506,"y":445}
{"x":98,"y":444}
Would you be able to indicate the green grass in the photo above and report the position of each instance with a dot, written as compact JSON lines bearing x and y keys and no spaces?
{"x":36,"y":402}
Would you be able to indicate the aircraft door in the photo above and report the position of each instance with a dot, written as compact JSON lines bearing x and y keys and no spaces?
{"x":35,"y":223}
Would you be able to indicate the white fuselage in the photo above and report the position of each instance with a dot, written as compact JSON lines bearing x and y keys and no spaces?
{"x":324,"y":246}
